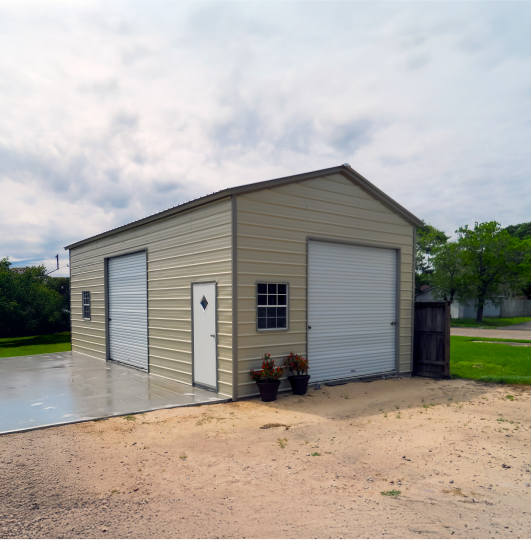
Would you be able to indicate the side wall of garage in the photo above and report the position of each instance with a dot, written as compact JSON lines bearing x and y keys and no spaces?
{"x":272,"y":230}
{"x":189,"y":247}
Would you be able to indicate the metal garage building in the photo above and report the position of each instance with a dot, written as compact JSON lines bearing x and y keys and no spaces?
{"x":318,"y":263}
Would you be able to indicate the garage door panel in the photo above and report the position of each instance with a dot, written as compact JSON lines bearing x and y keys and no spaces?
{"x":363,"y":268}
{"x":125,"y":318}
{"x":339,"y":320}
{"x":376,"y":278}
{"x":121,"y":332}
{"x":351,"y":302}
{"x":126,"y":351}
{"x":359,"y":355}
{"x":367,"y":366}
{"x":367,"y":361}
{"x":351,"y":305}
{"x":352,"y":337}
{"x":355,"y":321}
{"x":128,"y":309}
{"x":347,"y":364}
{"x":360,"y":340}
{"x":354,"y":287}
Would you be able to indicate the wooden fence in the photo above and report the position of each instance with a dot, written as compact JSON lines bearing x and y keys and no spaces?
{"x":515,"y":307}
{"x":431,"y":353}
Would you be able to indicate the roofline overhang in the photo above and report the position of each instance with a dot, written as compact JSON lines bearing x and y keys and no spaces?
{"x":425,"y":291}
{"x":344,"y":170}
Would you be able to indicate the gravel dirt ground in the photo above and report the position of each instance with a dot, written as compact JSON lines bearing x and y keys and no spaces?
{"x":458,"y":451}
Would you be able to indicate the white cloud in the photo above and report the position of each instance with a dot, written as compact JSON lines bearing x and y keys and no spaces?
{"x":113,"y":111}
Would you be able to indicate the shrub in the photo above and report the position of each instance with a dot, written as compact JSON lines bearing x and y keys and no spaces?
{"x":29,"y":305}
{"x":268,"y":373}
{"x":297,"y":364}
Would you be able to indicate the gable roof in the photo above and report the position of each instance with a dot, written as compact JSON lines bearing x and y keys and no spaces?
{"x":345,"y":170}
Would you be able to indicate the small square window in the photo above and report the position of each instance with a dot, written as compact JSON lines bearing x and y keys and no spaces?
{"x":85,"y":304}
{"x":271,"y":308}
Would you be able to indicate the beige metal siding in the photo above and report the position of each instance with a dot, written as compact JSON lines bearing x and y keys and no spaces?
{"x":272,"y":230}
{"x":189,"y":247}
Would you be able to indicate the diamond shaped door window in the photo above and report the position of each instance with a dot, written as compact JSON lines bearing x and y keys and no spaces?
{"x":204,"y":303}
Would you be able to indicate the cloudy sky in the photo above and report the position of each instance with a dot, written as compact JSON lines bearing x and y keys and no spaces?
{"x":111,"y":111}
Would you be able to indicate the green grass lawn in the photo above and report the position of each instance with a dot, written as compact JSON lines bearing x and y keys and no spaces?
{"x":490,"y":362}
{"x":488,"y":322}
{"x":35,"y":345}
{"x":480,"y":361}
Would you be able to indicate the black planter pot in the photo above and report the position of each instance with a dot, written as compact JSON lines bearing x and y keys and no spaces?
{"x":268,"y":390}
{"x":299,"y":384}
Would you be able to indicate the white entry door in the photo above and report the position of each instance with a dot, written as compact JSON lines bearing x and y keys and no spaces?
{"x":128,"y":319}
{"x":351,"y":310}
{"x":204,"y":334}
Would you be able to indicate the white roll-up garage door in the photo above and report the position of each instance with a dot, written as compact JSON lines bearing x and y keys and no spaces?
{"x":127,"y":282}
{"x":351,"y":310}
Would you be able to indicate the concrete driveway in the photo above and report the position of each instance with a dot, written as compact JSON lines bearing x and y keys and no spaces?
{"x":63,"y":388}
{"x":515,"y":331}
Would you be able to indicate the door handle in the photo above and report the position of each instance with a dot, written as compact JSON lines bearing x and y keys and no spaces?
{"x":110,"y":319}
{"x":309,"y":327}
{"x":212,"y":335}
{"x":393,"y":323}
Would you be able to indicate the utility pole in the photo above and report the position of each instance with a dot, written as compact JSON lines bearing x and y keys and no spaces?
{"x":55,"y":269}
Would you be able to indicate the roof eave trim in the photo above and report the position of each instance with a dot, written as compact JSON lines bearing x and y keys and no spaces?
{"x":150,"y":219}
{"x":379,"y":195}
{"x":347,"y":172}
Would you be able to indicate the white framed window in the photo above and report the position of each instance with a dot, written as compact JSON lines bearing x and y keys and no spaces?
{"x":272,"y":311}
{"x":86,"y":304}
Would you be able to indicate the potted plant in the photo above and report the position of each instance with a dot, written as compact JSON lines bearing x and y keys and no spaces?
{"x":268,"y":378}
{"x":298,"y":365}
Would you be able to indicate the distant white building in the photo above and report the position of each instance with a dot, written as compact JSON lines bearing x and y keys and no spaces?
{"x":457,"y":310}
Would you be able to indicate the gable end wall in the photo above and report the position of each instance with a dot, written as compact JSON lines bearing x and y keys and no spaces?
{"x":272,"y":230}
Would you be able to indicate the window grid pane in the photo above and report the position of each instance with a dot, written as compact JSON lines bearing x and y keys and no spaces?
{"x":272,"y":302}
{"x":86,"y":304}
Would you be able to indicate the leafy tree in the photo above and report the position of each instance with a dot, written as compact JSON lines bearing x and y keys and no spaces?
{"x":62,"y":286}
{"x":522,"y":231}
{"x":483,"y":260}
{"x":28,"y":302}
{"x":525,"y":288}
{"x":428,"y":240}
{"x":447,"y":277}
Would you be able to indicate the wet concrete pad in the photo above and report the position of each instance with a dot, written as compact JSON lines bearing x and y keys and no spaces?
{"x":67,"y":387}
